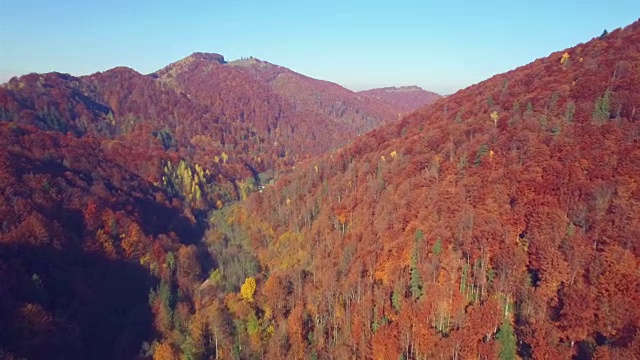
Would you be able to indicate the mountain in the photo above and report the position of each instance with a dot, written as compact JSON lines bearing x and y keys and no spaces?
{"x":141,"y":217}
{"x":405,"y":98}
{"x":500,"y":222}
{"x":237,"y":96}
{"x":262,"y":117}
{"x":109,"y":181}
{"x":359,"y":113}
{"x":220,"y":117}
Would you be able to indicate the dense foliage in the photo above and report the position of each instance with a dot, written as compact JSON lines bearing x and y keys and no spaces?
{"x":72,"y":219}
{"x":499,"y":222}
{"x":107,"y":182}
{"x":224,"y":118}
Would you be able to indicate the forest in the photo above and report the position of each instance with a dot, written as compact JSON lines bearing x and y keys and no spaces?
{"x":227,"y":210}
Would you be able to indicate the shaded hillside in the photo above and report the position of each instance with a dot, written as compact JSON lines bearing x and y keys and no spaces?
{"x":501,"y":221}
{"x":404,"y":98}
{"x":78,"y":239}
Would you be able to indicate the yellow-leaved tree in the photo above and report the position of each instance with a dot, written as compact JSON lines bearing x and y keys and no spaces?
{"x":494,"y":117}
{"x":248,"y":288}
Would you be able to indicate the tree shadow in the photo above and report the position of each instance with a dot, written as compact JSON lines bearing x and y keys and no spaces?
{"x":155,"y":218}
{"x":70,"y":304}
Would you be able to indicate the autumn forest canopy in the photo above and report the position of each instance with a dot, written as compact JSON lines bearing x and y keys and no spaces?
{"x":220,"y":209}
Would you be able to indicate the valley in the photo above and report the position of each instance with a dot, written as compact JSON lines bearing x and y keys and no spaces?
{"x":219,"y":209}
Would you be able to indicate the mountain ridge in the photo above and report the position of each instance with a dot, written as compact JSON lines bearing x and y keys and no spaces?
{"x":204,"y":103}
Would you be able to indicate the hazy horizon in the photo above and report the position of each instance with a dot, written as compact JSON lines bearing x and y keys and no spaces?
{"x":359,"y":45}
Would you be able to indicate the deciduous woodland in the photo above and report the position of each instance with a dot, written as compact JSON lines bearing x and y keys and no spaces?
{"x":239,"y":210}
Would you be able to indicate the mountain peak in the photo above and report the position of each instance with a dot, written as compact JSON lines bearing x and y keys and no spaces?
{"x":213,"y":57}
{"x":402,"y":88}
{"x":246,"y":61}
{"x":208,"y":59}
{"x":120,"y":70}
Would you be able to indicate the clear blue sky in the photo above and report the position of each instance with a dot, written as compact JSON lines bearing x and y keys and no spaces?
{"x":439,"y":45}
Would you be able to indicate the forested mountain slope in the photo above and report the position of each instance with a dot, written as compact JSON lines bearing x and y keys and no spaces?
{"x":230,"y":120}
{"x":501,"y":220}
{"x":357,"y":112}
{"x":79,"y":238}
{"x":242,"y":99}
{"x":405,"y":98}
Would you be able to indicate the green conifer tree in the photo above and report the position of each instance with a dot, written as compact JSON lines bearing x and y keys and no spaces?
{"x":507,"y":339}
{"x":415,"y":280}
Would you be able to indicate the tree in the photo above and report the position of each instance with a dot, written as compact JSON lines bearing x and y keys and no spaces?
{"x":164,"y":351}
{"x":571,"y":110}
{"x":170,"y":261}
{"x":604,"y":34}
{"x":481,"y":152}
{"x":601,"y":111}
{"x":529,"y":110}
{"x":248,"y":289}
{"x":395,"y":299}
{"x":132,"y":241}
{"x":494,"y":117}
{"x":507,"y":340}
{"x":415,"y":282}
{"x":437,"y":247}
